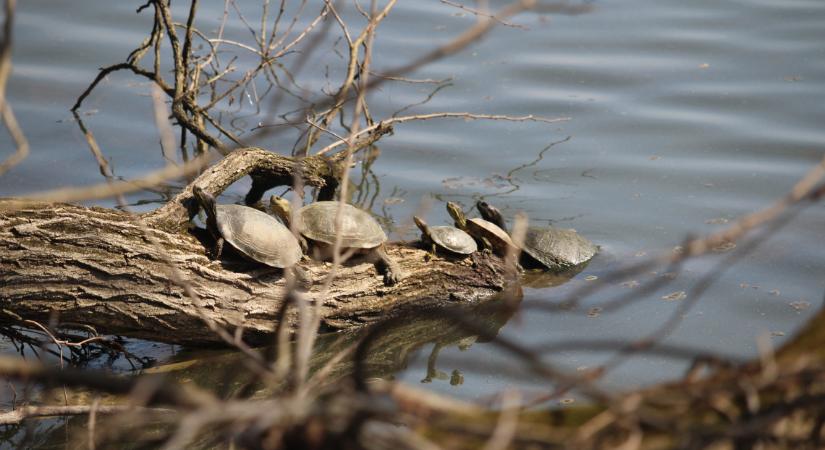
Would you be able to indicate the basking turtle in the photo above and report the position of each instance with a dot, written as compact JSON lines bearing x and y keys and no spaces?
{"x":488,"y":233}
{"x":551,"y":247}
{"x":451,"y":239}
{"x":255,"y":234}
{"x":316,"y":223}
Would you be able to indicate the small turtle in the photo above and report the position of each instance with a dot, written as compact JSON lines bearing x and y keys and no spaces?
{"x":488,"y":233}
{"x":255,"y":234}
{"x":317,"y":225}
{"x":551,"y":247}
{"x":451,"y":239}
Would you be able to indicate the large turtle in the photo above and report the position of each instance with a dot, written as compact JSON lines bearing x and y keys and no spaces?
{"x":488,"y":233}
{"x":253,"y":233}
{"x":453,"y":240}
{"x":551,"y":247}
{"x":318,"y":227}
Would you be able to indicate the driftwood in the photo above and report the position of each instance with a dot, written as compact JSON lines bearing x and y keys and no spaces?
{"x":72,"y":265}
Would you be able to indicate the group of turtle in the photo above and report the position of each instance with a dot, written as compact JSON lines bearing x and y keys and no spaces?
{"x":322,"y":225}
{"x":263,"y":238}
{"x":546,"y":247}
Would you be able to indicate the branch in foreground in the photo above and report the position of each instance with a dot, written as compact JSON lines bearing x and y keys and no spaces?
{"x":153,"y":389}
{"x":28,"y":412}
{"x":8,"y":116}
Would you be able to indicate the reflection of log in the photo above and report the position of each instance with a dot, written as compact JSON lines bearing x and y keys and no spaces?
{"x":97,"y":267}
{"x":389,"y":353}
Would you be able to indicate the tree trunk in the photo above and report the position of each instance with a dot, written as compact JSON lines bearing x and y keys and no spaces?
{"x":123,"y":274}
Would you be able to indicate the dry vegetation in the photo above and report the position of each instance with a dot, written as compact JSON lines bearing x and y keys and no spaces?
{"x":288,"y":395}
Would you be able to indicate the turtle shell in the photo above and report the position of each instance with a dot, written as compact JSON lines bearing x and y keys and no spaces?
{"x":558,"y":248}
{"x":497,"y":237}
{"x":453,"y":239}
{"x":258,"y":235}
{"x":358,"y":229}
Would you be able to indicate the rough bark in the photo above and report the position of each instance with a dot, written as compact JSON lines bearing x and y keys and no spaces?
{"x":69,"y":264}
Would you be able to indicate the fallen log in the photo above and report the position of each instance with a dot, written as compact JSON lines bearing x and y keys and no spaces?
{"x":148,"y":276}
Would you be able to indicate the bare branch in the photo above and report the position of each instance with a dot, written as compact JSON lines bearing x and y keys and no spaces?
{"x":463,"y":115}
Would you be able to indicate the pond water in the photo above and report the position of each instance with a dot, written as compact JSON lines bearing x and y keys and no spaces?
{"x":683,"y":117}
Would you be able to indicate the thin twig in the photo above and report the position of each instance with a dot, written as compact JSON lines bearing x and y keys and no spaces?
{"x":461,"y":115}
{"x":482,"y":14}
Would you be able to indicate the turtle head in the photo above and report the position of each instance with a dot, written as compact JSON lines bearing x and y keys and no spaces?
{"x":419,"y":222}
{"x":491,"y":214}
{"x":282,"y":208}
{"x":457,"y":214}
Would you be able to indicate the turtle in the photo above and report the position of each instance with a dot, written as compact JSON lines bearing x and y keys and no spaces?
{"x":451,"y":239}
{"x":550,"y":247}
{"x":255,"y":234}
{"x":489,"y":234}
{"x":316,"y":223}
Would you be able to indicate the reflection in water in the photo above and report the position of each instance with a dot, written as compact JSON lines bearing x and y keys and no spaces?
{"x":389,"y":353}
{"x":223,"y":371}
{"x":367,"y":190}
{"x":511,"y":175}
{"x":456,"y":377}
{"x":113,"y":353}
{"x":432,"y":371}
{"x":542,"y":279}
{"x":504,"y":184}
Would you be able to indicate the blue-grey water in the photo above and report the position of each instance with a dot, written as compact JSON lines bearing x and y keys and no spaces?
{"x":683,"y":115}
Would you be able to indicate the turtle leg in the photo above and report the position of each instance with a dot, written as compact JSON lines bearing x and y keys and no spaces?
{"x":384,"y":264}
{"x":218,"y":248}
{"x":303,"y":243}
{"x":430,"y":247}
{"x":303,"y":281}
{"x":486,"y":245}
